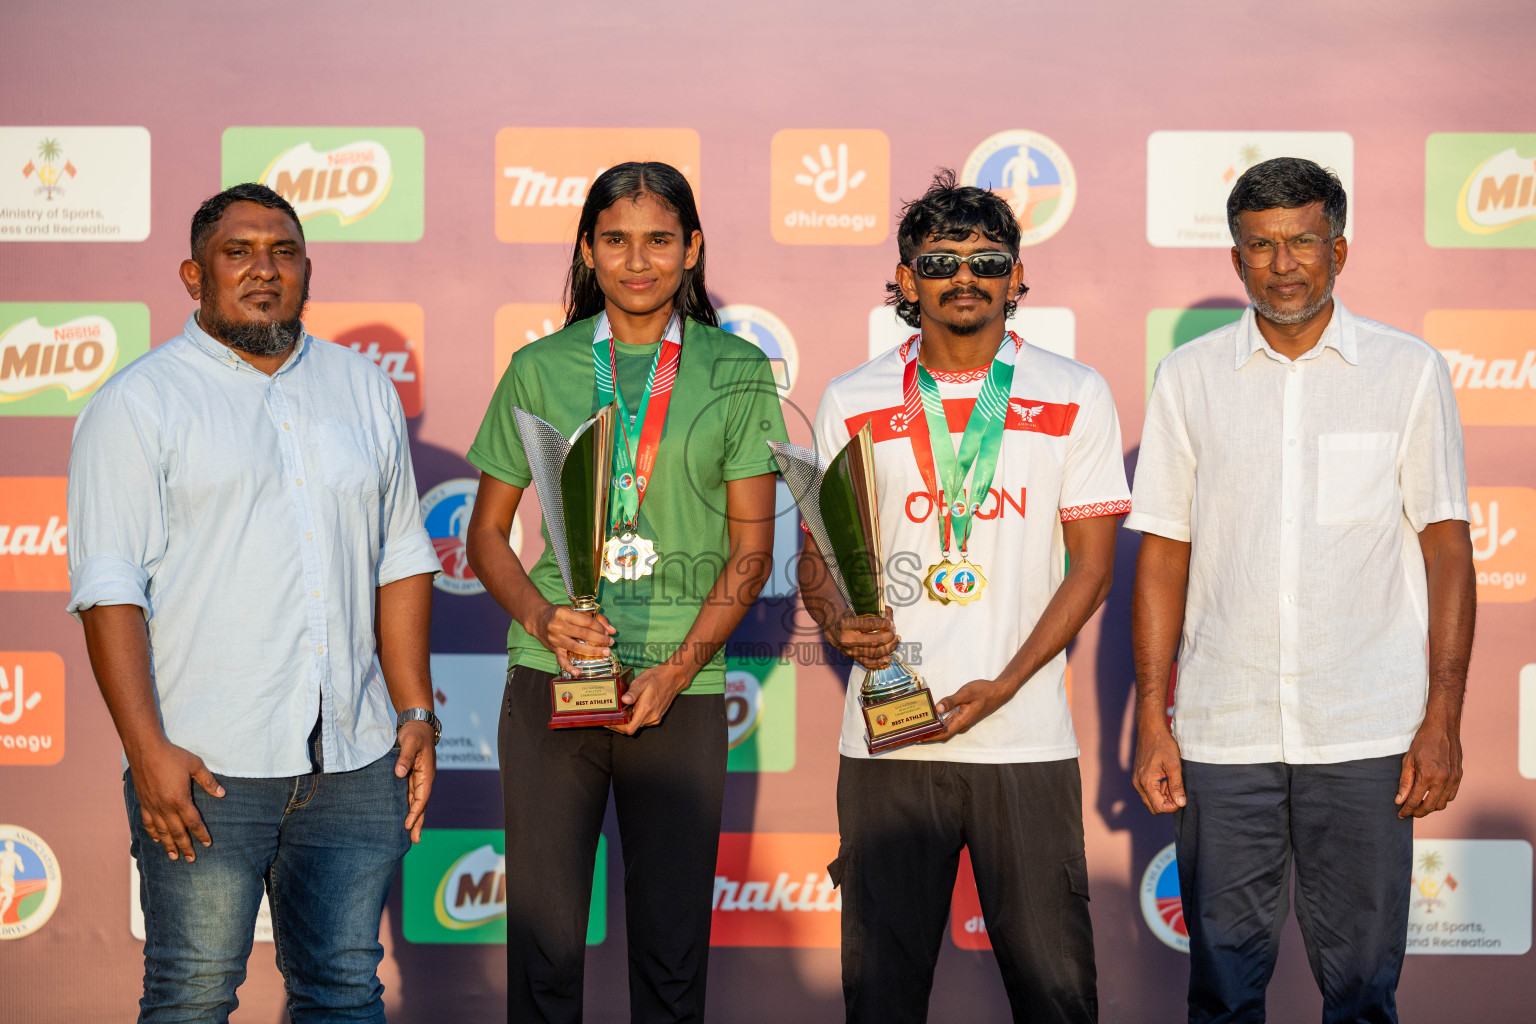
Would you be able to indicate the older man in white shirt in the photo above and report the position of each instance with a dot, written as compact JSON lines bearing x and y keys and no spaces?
{"x":248,"y":559}
{"x":1302,"y":495}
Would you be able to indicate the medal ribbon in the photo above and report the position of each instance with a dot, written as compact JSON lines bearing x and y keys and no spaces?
{"x":979,"y":445}
{"x":634,"y":450}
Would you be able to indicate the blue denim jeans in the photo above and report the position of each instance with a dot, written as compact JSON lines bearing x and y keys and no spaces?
{"x":324,"y":847}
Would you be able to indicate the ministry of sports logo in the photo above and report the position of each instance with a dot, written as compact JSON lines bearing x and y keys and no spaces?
{"x":29,"y":882}
{"x":1032,"y":174}
{"x":446,"y":510}
{"x":768,"y":333}
{"x":1161,"y":905}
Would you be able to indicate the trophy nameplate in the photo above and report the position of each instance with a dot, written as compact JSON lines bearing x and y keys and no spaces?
{"x":839,"y":505}
{"x":573,"y":481}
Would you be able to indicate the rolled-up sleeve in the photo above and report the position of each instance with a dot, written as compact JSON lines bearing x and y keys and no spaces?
{"x":405,"y":549}
{"x":1165,"y":466}
{"x":116,"y":499}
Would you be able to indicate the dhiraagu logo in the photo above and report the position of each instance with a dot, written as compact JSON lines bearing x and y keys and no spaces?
{"x":1167,"y":329}
{"x":346,"y":184}
{"x":456,"y":888}
{"x":1480,"y":190}
{"x":760,"y":714}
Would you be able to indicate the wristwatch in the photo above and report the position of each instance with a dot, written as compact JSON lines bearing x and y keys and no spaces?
{"x":421,"y":715}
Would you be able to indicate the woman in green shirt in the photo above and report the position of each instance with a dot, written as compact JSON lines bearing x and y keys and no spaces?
{"x":636,"y":310}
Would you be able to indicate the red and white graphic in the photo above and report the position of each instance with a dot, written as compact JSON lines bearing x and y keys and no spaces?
{"x":967,"y":927}
{"x":33,"y":528}
{"x":891,"y":423}
{"x":773,"y":889}
{"x":1096,"y":509}
{"x":389,"y":333}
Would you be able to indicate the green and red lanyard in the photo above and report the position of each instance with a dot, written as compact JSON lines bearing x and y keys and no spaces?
{"x":634,"y":451}
{"x":979,"y":446}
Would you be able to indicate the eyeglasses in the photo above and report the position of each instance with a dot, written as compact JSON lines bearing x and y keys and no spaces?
{"x":1259,"y":253}
{"x":947,"y":264}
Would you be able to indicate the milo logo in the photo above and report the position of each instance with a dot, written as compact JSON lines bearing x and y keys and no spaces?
{"x":350,"y":181}
{"x":54,"y":355}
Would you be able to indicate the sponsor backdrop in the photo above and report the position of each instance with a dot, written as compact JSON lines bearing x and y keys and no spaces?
{"x":439,"y":158}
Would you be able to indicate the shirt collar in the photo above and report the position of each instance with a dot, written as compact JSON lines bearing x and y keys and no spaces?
{"x":223,"y":353}
{"x":674,"y":331}
{"x":1339,"y":335}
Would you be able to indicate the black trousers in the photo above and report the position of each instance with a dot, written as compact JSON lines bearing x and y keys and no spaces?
{"x":903,"y":824}
{"x":668,"y":784}
{"x":1241,"y":829}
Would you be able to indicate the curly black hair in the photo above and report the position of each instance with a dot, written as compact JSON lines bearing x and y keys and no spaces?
{"x":211,"y":212}
{"x":952,"y":212}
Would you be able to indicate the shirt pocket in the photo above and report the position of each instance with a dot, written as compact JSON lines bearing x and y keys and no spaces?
{"x":348,"y":461}
{"x":1357,"y":479}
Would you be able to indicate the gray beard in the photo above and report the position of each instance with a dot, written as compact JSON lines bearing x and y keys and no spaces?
{"x":1302,"y":315}
{"x":257,"y":337}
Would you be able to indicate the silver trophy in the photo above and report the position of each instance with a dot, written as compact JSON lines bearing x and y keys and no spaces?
{"x":838,"y":501}
{"x":573,"y":478}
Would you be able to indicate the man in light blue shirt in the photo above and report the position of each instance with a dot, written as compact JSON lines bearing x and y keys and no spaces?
{"x":248,"y":559}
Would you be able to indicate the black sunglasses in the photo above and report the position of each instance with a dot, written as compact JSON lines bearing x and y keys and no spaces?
{"x":947,"y":264}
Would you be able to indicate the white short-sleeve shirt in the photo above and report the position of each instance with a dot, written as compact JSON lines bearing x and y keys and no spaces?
{"x":1301,"y":487}
{"x":1061,"y":459}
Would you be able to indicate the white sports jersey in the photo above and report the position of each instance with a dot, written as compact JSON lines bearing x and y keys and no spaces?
{"x":1061,"y":460}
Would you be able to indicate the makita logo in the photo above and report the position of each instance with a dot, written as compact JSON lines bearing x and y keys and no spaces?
{"x":396,"y":365}
{"x":814,"y":893}
{"x":1474,"y":374}
{"x":31,"y":539}
{"x":76,"y":356}
{"x":531,"y":187}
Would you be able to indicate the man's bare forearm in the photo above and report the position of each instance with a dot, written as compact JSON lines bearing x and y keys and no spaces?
{"x":118,"y":643}
{"x":1157,"y":621}
{"x":403,"y":629}
{"x":818,"y":593}
{"x":1452,"y":583}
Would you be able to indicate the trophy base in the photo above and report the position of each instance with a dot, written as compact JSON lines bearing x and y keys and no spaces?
{"x":589,"y":700}
{"x":909,"y":718}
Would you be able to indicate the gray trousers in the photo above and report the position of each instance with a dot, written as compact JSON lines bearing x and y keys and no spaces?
{"x":1242,"y":828}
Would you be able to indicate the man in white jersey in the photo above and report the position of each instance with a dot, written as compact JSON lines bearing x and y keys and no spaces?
{"x":1041,"y":477}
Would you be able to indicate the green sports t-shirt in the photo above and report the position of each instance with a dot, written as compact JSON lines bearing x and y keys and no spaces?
{"x":724,"y":407}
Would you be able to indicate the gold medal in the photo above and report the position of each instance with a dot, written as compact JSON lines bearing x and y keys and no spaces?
{"x":628,"y":556}
{"x":965,"y":581}
{"x":936,"y":582}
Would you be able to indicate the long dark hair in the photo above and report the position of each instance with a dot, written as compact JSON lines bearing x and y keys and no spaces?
{"x":663,"y":182}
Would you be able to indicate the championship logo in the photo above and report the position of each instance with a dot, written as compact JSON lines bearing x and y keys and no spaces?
{"x":768,"y":333}
{"x":1032,"y":174}
{"x":31,"y":707}
{"x":53,"y":356}
{"x":1480,"y":190}
{"x":1160,"y":903}
{"x":830,"y":187}
{"x":1190,"y":175}
{"x":773,"y":889}
{"x":33,"y":532}
{"x":455,"y":888}
{"x":446,"y":510}
{"x":543,"y":174}
{"x":522,"y":323}
{"x":74,"y":184}
{"x":1492,"y":357}
{"x":388,"y":334}
{"x":346,"y":184}
{"x":29,"y":882}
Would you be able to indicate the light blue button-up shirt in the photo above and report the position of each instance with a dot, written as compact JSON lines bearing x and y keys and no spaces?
{"x":253,"y":518}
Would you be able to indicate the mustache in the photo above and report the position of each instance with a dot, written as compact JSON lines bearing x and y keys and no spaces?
{"x":963,"y":291}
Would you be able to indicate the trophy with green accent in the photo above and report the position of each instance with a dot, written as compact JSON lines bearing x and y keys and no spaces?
{"x":573,"y":480}
{"x":839,"y":504}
